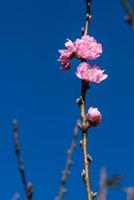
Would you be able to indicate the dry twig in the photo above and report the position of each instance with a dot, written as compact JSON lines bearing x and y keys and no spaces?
{"x":84,"y":127}
{"x":130,"y":15}
{"x":27,"y":185}
{"x":103,"y":188}
{"x":68,"y":164}
{"x":16,"y":196}
{"x":130,"y":193}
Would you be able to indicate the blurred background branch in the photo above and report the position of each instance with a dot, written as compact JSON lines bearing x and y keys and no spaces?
{"x":102,"y":186}
{"x":16,"y":196}
{"x":129,"y":192}
{"x":129,"y":17}
{"x":69,"y":162}
{"x":27,"y":185}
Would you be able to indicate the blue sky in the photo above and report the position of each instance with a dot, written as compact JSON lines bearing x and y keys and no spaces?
{"x":33,"y":90}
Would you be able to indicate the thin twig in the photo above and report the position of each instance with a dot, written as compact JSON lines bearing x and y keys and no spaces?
{"x":130,"y":15}
{"x":88,"y":16}
{"x":129,"y":192}
{"x":103,"y":188}
{"x":16,"y":196}
{"x":84,"y":126}
{"x":68,"y":164}
{"x":106,"y":183}
{"x":27,"y":185}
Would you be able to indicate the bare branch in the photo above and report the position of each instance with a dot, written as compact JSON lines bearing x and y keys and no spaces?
{"x":68,"y":164}
{"x":27,"y":185}
{"x":103,"y":188}
{"x":88,"y":16}
{"x":130,"y":15}
{"x":106,"y":183}
{"x":84,"y":127}
{"x":16,"y":196}
{"x":130,"y":193}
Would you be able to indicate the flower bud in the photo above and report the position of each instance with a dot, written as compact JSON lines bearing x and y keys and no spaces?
{"x":94,"y":116}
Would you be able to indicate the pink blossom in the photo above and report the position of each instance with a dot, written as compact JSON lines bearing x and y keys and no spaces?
{"x":94,"y":116}
{"x":88,"y":48}
{"x":84,"y":48}
{"x":90,"y":74}
{"x":70,"y":46}
{"x":66,"y":55}
{"x":64,"y":58}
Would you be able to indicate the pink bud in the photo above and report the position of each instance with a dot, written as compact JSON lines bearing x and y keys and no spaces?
{"x":94,"y":116}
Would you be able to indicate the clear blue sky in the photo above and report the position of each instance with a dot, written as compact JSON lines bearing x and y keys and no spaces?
{"x":33,"y":90}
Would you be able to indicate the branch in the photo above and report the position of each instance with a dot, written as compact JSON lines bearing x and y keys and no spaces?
{"x":27,"y":185}
{"x":88,"y":16}
{"x":130,"y":193}
{"x":68,"y":164}
{"x":16,"y":196}
{"x":84,"y":127}
{"x":127,"y":7}
{"x":130,"y":15}
{"x":103,"y":188}
{"x":106,"y":183}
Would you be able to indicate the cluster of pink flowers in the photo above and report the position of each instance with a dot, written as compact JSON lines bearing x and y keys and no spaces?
{"x":84,"y":49}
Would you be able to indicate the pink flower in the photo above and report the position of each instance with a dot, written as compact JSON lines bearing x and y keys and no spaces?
{"x":66,"y":55}
{"x":94,"y":116}
{"x":64,"y":58}
{"x":70,"y":46}
{"x":88,"y":48}
{"x":84,"y":48}
{"x":90,"y":74}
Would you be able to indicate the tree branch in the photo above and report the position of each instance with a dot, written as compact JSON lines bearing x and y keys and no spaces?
{"x":68,"y":164}
{"x":84,"y":127}
{"x":88,"y":16}
{"x":130,"y":15}
{"x":130,"y":193}
{"x":16,"y":196}
{"x":27,"y":185}
{"x":103,"y":187}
